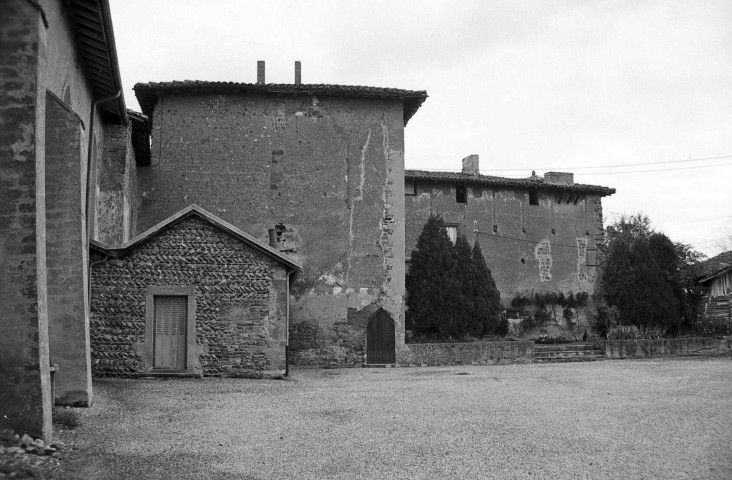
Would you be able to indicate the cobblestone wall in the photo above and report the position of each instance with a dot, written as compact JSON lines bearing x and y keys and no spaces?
{"x":240,"y":323}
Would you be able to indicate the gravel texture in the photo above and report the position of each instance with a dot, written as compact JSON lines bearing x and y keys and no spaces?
{"x":612,"y":419}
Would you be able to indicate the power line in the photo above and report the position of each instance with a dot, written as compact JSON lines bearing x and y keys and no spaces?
{"x":613,"y":166}
{"x":603,"y":166}
{"x":530,"y":241}
{"x":657,"y":169}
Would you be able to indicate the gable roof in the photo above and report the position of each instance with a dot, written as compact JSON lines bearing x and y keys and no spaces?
{"x":95,"y":39}
{"x":489,"y":180}
{"x":715,"y":266}
{"x":191,"y":211}
{"x":147,"y":93}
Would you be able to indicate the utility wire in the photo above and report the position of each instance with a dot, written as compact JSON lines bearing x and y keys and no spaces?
{"x":656,"y":169}
{"x":602,"y":166}
{"x":530,"y":241}
{"x":614,"y":166}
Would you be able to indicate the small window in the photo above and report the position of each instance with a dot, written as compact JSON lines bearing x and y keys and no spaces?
{"x":461,"y":194}
{"x":452,"y":232}
{"x":591,"y":257}
{"x":410,"y":188}
{"x":533,"y":197}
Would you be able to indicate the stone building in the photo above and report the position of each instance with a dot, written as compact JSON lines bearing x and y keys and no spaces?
{"x":324,"y":165}
{"x":193,"y":295}
{"x":537,"y":234}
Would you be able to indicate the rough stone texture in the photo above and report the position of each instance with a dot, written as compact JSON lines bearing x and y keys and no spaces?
{"x":240,"y":310}
{"x":117,"y":196}
{"x":67,"y":264}
{"x":25,"y":400}
{"x":471,"y":353}
{"x":546,"y":248}
{"x":329,"y":172}
{"x":667,"y":347}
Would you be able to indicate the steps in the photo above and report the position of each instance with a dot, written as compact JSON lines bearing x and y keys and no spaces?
{"x":568,"y":352}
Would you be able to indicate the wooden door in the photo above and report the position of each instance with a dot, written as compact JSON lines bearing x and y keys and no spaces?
{"x":380,"y":338}
{"x":171,"y":313}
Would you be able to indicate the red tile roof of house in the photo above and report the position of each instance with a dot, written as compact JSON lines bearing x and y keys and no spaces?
{"x":709,"y":269}
{"x":489,"y":180}
{"x":147,"y":93}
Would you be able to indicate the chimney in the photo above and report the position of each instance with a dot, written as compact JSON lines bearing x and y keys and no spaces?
{"x":298,"y":72}
{"x":260,"y":72}
{"x":273,"y":238}
{"x":559,"y":178}
{"x":471,"y":165}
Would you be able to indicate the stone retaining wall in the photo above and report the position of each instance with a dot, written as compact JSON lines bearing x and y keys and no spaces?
{"x":667,"y":347}
{"x":472,"y":353}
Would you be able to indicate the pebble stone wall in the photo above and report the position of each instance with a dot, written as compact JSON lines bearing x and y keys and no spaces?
{"x":240,"y":325}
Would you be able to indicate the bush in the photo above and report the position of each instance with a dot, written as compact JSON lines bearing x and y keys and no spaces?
{"x":632,"y":332}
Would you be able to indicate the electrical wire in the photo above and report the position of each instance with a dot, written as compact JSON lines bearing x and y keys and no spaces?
{"x":529,"y":241}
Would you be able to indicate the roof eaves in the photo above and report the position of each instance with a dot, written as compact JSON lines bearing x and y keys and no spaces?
{"x":147,"y":93}
{"x":95,"y":40}
{"x":117,"y":251}
{"x":468,"y":179}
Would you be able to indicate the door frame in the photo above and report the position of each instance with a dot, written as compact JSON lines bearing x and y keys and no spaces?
{"x":170,"y":290}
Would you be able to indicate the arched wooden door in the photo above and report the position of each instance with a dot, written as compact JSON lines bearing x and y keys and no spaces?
{"x":380,"y":338}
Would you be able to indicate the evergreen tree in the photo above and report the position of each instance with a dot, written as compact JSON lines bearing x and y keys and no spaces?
{"x":488,"y":298}
{"x":646,"y":276}
{"x":450,"y":290}
{"x":429,"y":284}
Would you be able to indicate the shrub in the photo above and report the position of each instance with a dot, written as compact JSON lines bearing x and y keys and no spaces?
{"x":632,"y":332}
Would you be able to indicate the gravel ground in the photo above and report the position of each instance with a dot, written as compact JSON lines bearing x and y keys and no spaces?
{"x":611,"y":419}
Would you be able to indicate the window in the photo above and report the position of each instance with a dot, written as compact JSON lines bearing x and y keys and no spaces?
{"x":410,"y":188}
{"x":461,"y":194}
{"x":170,"y":329}
{"x":452,"y":232}
{"x":533,"y":197}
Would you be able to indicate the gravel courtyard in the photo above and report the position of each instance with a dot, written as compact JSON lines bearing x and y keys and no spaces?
{"x":611,"y":419}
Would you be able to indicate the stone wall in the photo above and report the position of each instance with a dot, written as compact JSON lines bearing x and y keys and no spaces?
{"x":240,"y":324}
{"x":667,"y":347}
{"x":527,"y":247}
{"x":25,"y":397}
{"x":470,"y":353}
{"x":327,"y":172}
{"x":117,"y":196}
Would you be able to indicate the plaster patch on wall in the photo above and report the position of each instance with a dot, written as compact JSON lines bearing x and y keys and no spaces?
{"x":543,"y":253}
{"x":582,"y":259}
{"x":358,"y":195}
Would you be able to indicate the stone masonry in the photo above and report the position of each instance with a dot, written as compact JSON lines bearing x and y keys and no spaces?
{"x":240,"y":306}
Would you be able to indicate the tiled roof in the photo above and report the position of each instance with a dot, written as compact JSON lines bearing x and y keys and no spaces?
{"x":117,"y":251}
{"x":489,"y":180}
{"x":147,"y":93}
{"x":715,"y":265}
{"x":95,"y":38}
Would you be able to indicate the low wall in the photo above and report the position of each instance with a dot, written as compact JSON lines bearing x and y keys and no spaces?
{"x":667,"y":347}
{"x":470,"y":353}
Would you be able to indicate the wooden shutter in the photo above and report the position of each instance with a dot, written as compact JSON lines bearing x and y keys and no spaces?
{"x":171,"y":314}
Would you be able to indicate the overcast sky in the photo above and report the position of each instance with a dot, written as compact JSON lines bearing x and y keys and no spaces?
{"x":528,"y":85}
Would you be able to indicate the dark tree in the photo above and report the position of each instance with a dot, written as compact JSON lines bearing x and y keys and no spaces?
{"x":647,"y":276}
{"x":488,"y":298}
{"x":429,"y":283}
{"x":450,"y":290}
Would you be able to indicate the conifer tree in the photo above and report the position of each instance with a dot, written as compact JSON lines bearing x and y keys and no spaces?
{"x":488,"y":298}
{"x":428,"y":281}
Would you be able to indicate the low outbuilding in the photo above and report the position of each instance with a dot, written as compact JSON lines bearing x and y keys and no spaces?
{"x":193,"y":295}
